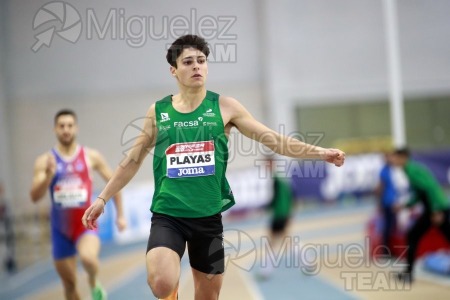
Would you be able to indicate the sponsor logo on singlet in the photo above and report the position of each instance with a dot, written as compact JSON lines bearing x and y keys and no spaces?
{"x":190,"y":159}
{"x":209,"y":113}
{"x":186,"y":124}
{"x":79,"y":166}
{"x":165,"y":117}
{"x":164,"y":127}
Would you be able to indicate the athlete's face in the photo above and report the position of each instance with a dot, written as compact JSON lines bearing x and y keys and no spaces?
{"x":192,"y":68}
{"x":400,"y":160}
{"x":66,"y":129}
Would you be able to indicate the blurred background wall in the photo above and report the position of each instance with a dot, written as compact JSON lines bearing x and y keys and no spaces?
{"x":313,"y":66}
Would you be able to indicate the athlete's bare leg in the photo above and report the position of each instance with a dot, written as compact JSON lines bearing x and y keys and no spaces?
{"x":67,"y":270}
{"x":172,"y":296}
{"x":207,"y":286}
{"x":163,"y":272}
{"x":88,"y":247}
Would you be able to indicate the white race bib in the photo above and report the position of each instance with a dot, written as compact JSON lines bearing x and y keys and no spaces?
{"x":190,"y":159}
{"x":75,"y":197}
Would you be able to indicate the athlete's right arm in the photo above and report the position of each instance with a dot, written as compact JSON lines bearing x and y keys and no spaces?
{"x":44,"y":171}
{"x":126,"y":169}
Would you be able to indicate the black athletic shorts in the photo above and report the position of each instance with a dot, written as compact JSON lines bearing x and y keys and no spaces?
{"x":278,"y":225}
{"x":204,"y":238}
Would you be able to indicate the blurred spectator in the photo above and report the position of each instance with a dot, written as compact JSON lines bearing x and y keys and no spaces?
{"x":426,"y":190}
{"x":393,"y":187}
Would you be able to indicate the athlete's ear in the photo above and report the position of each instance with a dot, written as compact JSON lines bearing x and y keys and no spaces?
{"x":173,"y":71}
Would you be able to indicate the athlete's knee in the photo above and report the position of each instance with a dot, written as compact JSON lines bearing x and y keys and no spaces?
{"x":161,"y":286}
{"x":88,"y":250}
{"x":88,"y":260}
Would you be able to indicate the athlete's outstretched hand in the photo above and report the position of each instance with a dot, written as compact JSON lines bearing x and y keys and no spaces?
{"x":334,"y":156}
{"x":92,"y":213}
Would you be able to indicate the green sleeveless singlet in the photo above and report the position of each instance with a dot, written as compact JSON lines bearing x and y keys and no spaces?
{"x":190,"y":160}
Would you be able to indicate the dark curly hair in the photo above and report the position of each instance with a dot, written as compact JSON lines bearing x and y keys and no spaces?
{"x":183,"y":42}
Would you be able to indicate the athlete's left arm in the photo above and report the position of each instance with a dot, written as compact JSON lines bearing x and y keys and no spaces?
{"x":236,"y":114}
{"x":101,"y":166}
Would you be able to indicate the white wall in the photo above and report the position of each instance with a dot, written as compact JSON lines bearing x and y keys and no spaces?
{"x":112,"y":65}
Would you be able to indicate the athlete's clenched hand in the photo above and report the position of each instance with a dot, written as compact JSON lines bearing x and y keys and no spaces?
{"x":92,"y":213}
